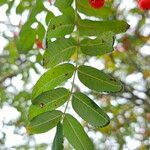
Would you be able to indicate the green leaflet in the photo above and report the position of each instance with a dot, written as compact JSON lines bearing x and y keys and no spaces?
{"x":25,"y":42}
{"x":59,"y":51}
{"x":20,"y":8}
{"x":58,"y":140}
{"x":52,"y":97}
{"x":44,"y":122}
{"x":96,"y":28}
{"x":60,"y":26}
{"x":2,"y":2}
{"x":37,"y":8}
{"x":63,"y":4}
{"x":89,"y":111}
{"x":97,"y":80}
{"x":40,"y":31}
{"x":85,"y":7}
{"x":13,"y":53}
{"x":35,"y":110}
{"x":45,"y":98}
{"x":53,"y":78}
{"x":49,"y":16}
{"x":75,"y":134}
{"x":48,"y":101}
{"x":98,"y":46}
{"x":68,"y":10}
{"x":65,"y":7}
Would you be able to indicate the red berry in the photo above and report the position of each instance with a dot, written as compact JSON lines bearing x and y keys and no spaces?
{"x":144,"y":4}
{"x":39,"y":43}
{"x":97,"y":3}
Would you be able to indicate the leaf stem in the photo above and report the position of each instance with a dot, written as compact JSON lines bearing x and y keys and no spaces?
{"x":71,"y":92}
{"x":77,"y":48}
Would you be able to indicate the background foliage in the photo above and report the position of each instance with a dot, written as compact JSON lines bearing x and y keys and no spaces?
{"x":129,"y":109}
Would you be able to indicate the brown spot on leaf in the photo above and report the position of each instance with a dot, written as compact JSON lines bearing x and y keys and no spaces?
{"x":103,"y":41}
{"x":66,"y":74}
{"x":41,"y":105}
{"x":113,"y":79}
{"x":54,"y":27}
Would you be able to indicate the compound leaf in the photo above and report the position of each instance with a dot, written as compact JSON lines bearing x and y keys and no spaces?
{"x":63,"y":4}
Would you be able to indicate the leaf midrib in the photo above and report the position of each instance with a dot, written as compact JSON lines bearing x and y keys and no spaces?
{"x":95,"y":44}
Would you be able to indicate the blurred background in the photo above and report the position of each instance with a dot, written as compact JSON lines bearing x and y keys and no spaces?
{"x":129,"y":110}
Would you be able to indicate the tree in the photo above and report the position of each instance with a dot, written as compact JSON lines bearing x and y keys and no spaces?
{"x":63,"y":45}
